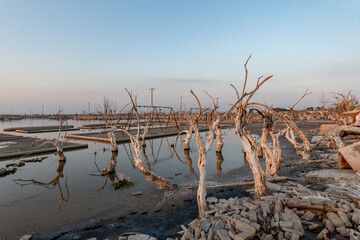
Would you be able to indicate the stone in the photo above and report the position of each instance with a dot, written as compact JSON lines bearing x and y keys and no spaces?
{"x":345,"y":232}
{"x":252,"y":216}
{"x":205,"y":224}
{"x":344,"y":218}
{"x":356,"y":216}
{"x":294,"y":236}
{"x":244,"y":227}
{"x":281,"y":236}
{"x":314,"y":226}
{"x":269,"y":237}
{"x":330,"y":225}
{"x":286,"y":224}
{"x":212,"y":200}
{"x":287,"y":235}
{"x":243,"y":236}
{"x":289,"y":230}
{"x":322,"y":234}
{"x":354,"y":235}
{"x":250,"y":206}
{"x":335,"y":219}
{"x":223,"y":234}
{"x":26,"y":237}
{"x":351,"y":154}
{"x":197,"y":232}
{"x":290,"y":216}
{"x":235,"y":207}
{"x":308,"y":216}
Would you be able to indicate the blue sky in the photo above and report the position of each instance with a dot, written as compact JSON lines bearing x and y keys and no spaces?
{"x":67,"y":53}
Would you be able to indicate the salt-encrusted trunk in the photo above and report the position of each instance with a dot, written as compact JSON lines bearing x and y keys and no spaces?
{"x":290,"y":136}
{"x":210,"y":137}
{"x":59,"y":150}
{"x":112,"y":164}
{"x":219,"y":142}
{"x":112,"y":139}
{"x":252,"y":158}
{"x":187,"y":139}
{"x":150,"y":176}
{"x":277,"y":153}
{"x":256,"y":145}
{"x":201,"y":192}
{"x":219,"y":161}
{"x":270,"y":163}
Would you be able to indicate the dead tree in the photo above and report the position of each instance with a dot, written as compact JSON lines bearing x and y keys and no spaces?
{"x":201,"y":192}
{"x":135,"y":142}
{"x":214,"y":124}
{"x":241,"y":121}
{"x":105,"y":112}
{"x":252,"y":140}
{"x":187,"y":139}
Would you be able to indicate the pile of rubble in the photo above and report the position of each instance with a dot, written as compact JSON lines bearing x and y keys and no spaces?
{"x":278,"y":216}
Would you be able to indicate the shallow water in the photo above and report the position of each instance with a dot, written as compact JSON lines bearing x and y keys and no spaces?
{"x":53,"y":198}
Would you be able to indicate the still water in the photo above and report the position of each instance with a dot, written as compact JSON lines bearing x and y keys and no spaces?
{"x":56,"y":194}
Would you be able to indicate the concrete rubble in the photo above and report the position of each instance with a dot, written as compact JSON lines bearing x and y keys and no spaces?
{"x":291,"y":212}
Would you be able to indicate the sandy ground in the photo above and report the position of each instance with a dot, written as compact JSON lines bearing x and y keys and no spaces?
{"x":162,"y":214}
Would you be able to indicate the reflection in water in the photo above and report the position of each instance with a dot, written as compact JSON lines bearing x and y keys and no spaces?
{"x":220,"y":159}
{"x":146,"y":159}
{"x":188,"y":162}
{"x":55,"y":182}
{"x":118,"y":180}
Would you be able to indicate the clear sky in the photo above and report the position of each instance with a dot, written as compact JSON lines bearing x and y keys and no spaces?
{"x":68,"y":53}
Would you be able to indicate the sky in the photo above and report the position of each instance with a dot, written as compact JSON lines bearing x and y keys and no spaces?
{"x":69,"y":53}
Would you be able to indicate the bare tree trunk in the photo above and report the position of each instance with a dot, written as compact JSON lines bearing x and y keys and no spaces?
{"x":150,"y":176}
{"x":201,"y":192}
{"x":59,"y":150}
{"x":256,"y":145}
{"x":219,"y":142}
{"x":187,"y":139}
{"x":252,"y":158}
{"x":290,"y":136}
{"x":112,"y":138}
{"x":270,"y":163}
{"x":277,"y":153}
{"x":112,"y":164}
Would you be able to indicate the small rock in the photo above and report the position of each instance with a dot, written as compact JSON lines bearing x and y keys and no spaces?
{"x":335,"y":219}
{"x":344,"y":218}
{"x":26,"y":237}
{"x":286,"y":224}
{"x":243,"y":236}
{"x":136,"y":193}
{"x":356,"y":216}
{"x":314,"y":226}
{"x":322,"y":234}
{"x":212,"y":200}
{"x":308,"y":216}
{"x":250,"y":206}
{"x":244,"y":227}
{"x":294,"y":236}
{"x":223,"y":234}
{"x":205,"y":224}
{"x":330,"y":225}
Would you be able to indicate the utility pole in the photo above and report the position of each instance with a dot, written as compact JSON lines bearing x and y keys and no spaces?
{"x":152,"y":100}
{"x":89,"y":108}
{"x":217,"y":102}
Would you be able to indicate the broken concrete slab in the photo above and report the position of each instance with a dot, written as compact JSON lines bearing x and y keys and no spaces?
{"x":326,"y":128}
{"x":351,"y":154}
